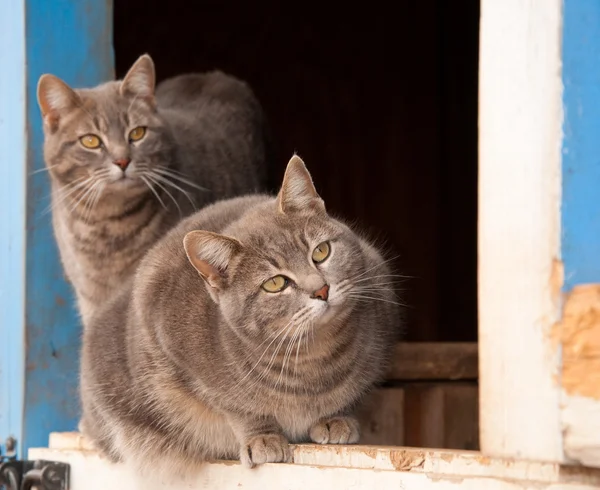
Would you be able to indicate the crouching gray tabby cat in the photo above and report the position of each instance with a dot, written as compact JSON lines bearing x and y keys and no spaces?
{"x":127,"y":162}
{"x":256,"y":322}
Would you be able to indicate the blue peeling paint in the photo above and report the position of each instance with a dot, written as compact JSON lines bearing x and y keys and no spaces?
{"x":581,"y":145}
{"x":13,"y":147}
{"x":73,"y":40}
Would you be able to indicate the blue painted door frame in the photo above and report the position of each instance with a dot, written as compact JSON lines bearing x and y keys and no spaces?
{"x":40,"y":331}
{"x":580,"y":210}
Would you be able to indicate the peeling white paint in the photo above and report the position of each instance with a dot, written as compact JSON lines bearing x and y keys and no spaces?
{"x":332,"y":468}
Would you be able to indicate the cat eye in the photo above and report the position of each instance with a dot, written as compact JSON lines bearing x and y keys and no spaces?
{"x":137,"y":134}
{"x":321,"y":252}
{"x":276,"y":284}
{"x":91,"y":141}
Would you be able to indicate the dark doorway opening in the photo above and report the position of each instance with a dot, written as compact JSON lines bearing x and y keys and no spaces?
{"x":380,"y":103}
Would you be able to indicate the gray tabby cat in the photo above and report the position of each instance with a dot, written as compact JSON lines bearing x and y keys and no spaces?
{"x":255,"y":322}
{"x":127,"y":163}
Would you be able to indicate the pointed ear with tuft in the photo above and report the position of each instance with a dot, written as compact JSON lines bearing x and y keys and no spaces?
{"x":210,"y":254}
{"x":140,"y":80}
{"x":55,"y":99}
{"x":298,"y":194}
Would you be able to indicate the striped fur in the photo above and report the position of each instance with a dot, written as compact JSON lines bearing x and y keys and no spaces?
{"x":205,"y":139}
{"x":183,"y":367}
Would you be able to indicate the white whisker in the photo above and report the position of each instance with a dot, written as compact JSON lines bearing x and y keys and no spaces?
{"x":66,"y":192}
{"x":90,"y":193}
{"x":362,"y":296}
{"x":44,"y":169}
{"x":83,"y":196}
{"x":87,"y":209}
{"x":175,"y":171}
{"x":169,"y":173}
{"x":374,"y":267}
{"x":379,"y":287}
{"x":379,"y":277}
{"x":149,"y":185}
{"x":273,"y":356}
{"x":277,"y":334}
{"x":172,"y":184}
{"x":298,"y":350}
{"x":152,"y":179}
{"x":280,"y":336}
{"x":288,"y":353}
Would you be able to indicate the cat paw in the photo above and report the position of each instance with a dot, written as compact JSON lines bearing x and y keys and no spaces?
{"x":336,"y":430}
{"x":266,"y":448}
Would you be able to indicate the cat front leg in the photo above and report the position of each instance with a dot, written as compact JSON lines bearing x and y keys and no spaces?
{"x":261,"y":440}
{"x":342,"y":429}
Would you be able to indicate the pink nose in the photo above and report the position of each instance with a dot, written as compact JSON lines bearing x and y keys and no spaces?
{"x":122,"y":163}
{"x":322,"y":293}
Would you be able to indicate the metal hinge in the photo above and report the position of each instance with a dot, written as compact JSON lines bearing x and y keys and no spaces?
{"x":41,"y":475}
{"x":25,"y":475}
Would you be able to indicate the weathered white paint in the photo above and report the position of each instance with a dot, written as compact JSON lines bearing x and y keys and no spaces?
{"x":581,"y":425}
{"x":333,"y":468}
{"x":578,"y":335}
{"x":519,"y":227}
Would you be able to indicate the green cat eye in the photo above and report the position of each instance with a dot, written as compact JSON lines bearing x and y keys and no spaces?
{"x":91,"y":141}
{"x":321,"y":252}
{"x":137,"y":133}
{"x":275,"y":284}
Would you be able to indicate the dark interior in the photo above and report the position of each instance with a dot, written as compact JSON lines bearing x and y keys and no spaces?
{"x":381,"y":103}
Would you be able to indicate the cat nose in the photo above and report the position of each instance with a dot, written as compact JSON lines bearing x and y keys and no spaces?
{"x":122,"y":163}
{"x":322,"y":293}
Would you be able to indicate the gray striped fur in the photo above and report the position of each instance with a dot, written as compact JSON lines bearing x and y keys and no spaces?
{"x":182,"y":367}
{"x":206,"y":139}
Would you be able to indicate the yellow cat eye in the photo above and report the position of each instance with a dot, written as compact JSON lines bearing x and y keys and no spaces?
{"x":91,"y":141}
{"x":321,"y":252}
{"x":275,"y":284}
{"x":137,"y":133}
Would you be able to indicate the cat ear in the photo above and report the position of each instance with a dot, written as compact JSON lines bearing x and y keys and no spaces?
{"x":140,"y":79}
{"x":211,"y":253}
{"x":298,"y":194}
{"x":55,"y":98}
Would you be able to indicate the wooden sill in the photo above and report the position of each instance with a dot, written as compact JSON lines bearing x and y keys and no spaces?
{"x":334,"y":467}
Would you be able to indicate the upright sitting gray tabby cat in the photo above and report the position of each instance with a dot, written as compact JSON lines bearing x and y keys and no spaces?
{"x":254,"y":322}
{"x":127,"y":163}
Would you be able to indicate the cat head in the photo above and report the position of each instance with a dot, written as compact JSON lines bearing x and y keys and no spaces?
{"x":111,"y":134}
{"x":286,"y":263}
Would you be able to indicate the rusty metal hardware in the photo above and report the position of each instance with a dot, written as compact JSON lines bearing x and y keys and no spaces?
{"x":42,"y":475}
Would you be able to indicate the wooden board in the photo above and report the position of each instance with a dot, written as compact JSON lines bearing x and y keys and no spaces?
{"x":382,"y":417}
{"x":442,"y":415}
{"x":520,"y":128}
{"x":333,"y":468}
{"x":435,"y":361}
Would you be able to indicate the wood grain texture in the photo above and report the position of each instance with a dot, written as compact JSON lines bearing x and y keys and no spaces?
{"x":432,"y":415}
{"x":382,"y":417}
{"x":339,"y":468}
{"x":441,"y":415}
{"x":435,"y":361}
